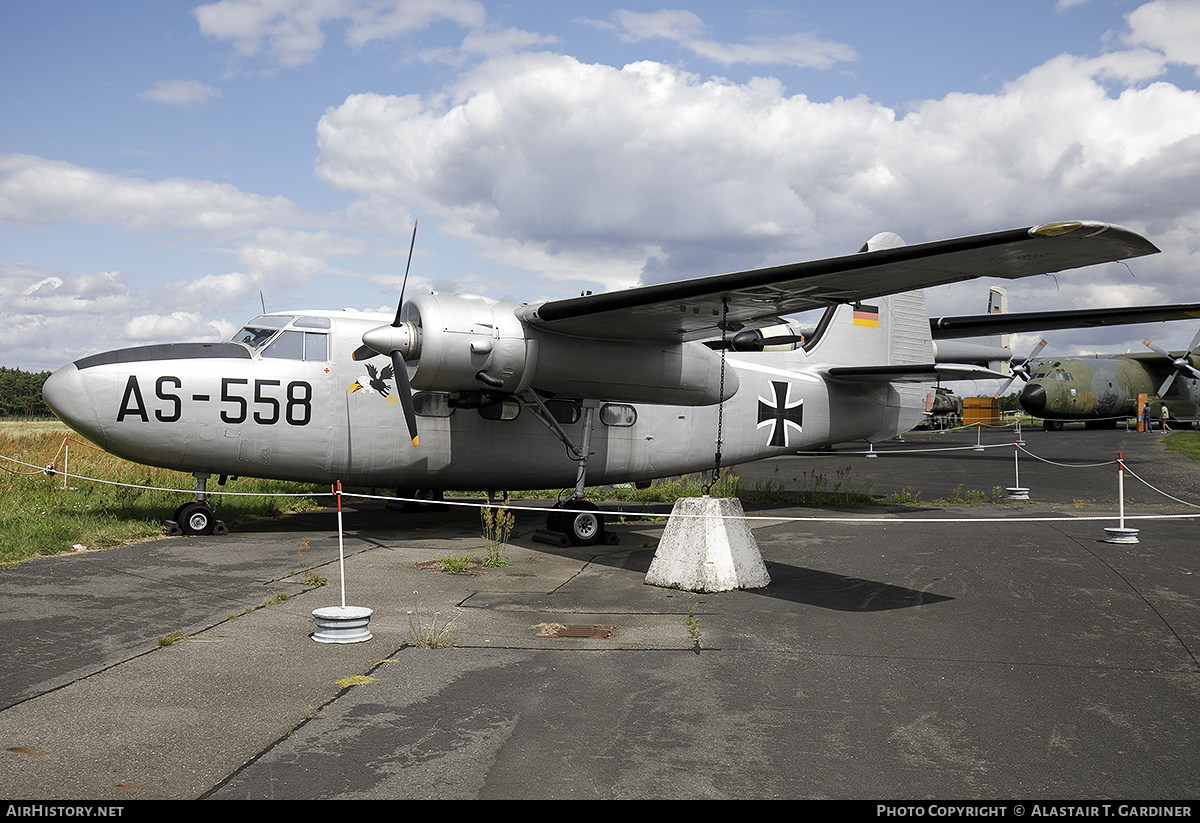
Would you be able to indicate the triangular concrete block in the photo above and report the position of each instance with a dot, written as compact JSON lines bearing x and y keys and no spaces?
{"x":707,"y":546}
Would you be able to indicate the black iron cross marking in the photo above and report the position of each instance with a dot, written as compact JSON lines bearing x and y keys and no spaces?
{"x":781,"y":415}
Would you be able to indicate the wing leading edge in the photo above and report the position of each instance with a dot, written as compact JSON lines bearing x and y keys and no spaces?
{"x":692,"y":309}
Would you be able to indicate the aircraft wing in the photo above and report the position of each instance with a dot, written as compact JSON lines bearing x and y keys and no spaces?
{"x":976,"y":325}
{"x":914,"y":374}
{"x":692,"y":309}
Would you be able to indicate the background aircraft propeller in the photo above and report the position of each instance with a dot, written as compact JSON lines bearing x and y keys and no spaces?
{"x":1021,"y":369}
{"x":394,"y":341}
{"x":1179,"y":364}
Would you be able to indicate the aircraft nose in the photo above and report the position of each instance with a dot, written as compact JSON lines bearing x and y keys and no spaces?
{"x":66,"y":396}
{"x":1033,"y":399}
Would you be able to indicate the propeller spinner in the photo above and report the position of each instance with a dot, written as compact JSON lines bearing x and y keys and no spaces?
{"x":1180,"y":364}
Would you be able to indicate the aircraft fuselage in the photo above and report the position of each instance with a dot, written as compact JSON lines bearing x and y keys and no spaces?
{"x":309,"y":412}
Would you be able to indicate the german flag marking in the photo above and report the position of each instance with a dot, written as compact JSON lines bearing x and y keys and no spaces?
{"x":867,"y":316}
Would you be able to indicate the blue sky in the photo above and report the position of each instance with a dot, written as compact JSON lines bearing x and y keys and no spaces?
{"x":164,"y":164}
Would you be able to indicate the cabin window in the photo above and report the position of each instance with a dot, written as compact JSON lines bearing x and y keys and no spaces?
{"x":563,"y":411}
{"x":316,"y":346}
{"x":432,"y":404}
{"x":504,"y":410}
{"x":618,"y":414}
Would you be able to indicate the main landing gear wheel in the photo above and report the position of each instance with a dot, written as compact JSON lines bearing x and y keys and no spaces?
{"x":580,"y":521}
{"x":420,"y":500}
{"x":196,"y":518}
{"x":1052,"y":425}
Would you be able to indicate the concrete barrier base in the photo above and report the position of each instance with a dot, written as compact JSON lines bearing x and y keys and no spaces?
{"x":707,"y":546}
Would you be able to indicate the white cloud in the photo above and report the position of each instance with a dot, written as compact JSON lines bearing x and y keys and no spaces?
{"x":293,"y":30}
{"x":606,"y":174}
{"x":803,"y":49}
{"x":1169,"y":26}
{"x":180,"y":92}
{"x":175,"y":327}
{"x":543,"y":158}
{"x":36,"y":191}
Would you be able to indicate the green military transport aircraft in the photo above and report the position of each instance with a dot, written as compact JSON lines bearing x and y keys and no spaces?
{"x":1103,"y":389}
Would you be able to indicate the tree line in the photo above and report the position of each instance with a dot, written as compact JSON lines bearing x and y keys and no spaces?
{"x":21,"y":393}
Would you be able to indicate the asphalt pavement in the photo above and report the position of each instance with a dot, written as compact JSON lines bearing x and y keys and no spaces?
{"x":944,"y":643}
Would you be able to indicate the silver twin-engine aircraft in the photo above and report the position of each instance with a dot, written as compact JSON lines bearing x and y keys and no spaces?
{"x":465,"y":392}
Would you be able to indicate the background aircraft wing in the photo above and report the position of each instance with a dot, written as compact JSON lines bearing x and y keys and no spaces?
{"x":692,"y":309}
{"x":976,"y":325}
{"x":913,"y":374}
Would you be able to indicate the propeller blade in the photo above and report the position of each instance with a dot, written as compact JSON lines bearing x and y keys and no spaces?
{"x":404,"y":283}
{"x":783,"y":340}
{"x":1158,"y":349}
{"x":400,"y":370}
{"x":1195,"y":342}
{"x":1022,"y":370}
{"x":363,"y":353}
{"x":1036,"y":351}
{"x":1162,"y":390}
{"x":1000,"y":392}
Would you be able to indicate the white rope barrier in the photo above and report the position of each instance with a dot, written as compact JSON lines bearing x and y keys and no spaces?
{"x":1160,"y":491}
{"x":339,"y":494}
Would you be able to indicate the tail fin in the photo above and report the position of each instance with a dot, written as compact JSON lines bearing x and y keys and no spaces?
{"x":998,"y":304}
{"x":887,"y":331}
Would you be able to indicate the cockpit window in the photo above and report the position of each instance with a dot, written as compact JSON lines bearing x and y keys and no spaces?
{"x":312,"y":323}
{"x":253,"y":336}
{"x":259,"y":330}
{"x":299,"y":345}
{"x":1055,"y":374}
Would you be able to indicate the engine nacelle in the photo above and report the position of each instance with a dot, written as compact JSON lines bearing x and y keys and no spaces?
{"x":467,"y":342}
{"x":650,"y":371}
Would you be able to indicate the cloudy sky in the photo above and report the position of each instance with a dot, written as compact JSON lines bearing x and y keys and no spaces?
{"x":166,"y":168}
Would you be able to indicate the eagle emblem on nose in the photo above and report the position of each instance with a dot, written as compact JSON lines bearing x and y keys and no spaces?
{"x":376,"y":381}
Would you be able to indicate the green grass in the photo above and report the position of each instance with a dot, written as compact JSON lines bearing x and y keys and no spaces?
{"x":1185,"y":443}
{"x":42,"y":515}
{"x":811,"y":488}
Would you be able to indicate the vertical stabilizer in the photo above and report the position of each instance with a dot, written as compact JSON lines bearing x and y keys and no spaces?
{"x":998,"y":304}
{"x":883,"y":331}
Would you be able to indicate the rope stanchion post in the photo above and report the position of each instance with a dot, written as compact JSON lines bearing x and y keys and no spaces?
{"x":978,"y":434}
{"x":1118,"y":533}
{"x":1017,"y":492}
{"x":341,"y":624}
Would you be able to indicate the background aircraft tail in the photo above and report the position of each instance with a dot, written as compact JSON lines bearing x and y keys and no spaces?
{"x":998,"y":304}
